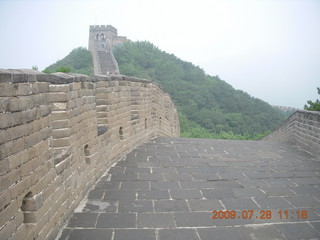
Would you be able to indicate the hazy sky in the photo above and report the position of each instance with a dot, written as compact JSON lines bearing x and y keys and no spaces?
{"x":268,"y":48}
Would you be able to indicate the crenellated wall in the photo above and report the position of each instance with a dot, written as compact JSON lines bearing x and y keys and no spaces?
{"x":301,"y":128}
{"x":59,"y":133}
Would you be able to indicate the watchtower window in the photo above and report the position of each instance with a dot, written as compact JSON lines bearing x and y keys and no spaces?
{"x":145,"y":123}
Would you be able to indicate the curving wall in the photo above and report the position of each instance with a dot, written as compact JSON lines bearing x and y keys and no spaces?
{"x":301,"y":128}
{"x":59,"y":133}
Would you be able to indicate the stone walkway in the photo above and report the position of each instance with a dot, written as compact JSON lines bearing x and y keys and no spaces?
{"x":168,"y":188}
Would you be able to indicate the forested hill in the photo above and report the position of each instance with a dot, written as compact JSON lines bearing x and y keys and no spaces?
{"x":208,"y":106}
{"x":79,"y":60}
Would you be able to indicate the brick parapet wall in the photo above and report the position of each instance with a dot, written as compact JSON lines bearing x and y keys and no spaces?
{"x":59,"y":133}
{"x":301,"y":128}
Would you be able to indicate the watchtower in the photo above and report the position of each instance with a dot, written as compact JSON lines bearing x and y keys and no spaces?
{"x":102,"y":39}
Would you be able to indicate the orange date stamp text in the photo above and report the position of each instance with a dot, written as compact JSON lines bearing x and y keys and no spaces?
{"x":259,"y":214}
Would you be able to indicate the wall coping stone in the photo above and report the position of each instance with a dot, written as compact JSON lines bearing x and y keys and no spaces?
{"x":29,"y":75}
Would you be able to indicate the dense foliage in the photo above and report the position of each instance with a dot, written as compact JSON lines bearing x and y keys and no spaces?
{"x":79,"y":60}
{"x":313,"y":106}
{"x":207,"y":105}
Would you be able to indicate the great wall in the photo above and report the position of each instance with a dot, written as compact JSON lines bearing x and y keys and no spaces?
{"x":61,"y":132}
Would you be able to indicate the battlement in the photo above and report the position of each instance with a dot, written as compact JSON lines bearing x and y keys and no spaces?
{"x":302,"y":128}
{"x":109,"y":28}
{"x":59,"y":133}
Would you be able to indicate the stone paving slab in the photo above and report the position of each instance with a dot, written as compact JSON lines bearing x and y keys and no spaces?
{"x":169,"y":188}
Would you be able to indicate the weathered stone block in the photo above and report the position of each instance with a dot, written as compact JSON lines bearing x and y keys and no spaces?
{"x":5,"y":76}
{"x":20,"y":233}
{"x":60,"y":115}
{"x":8,"y":230}
{"x":24,"y":89}
{"x":37,"y":137}
{"x":42,"y":87}
{"x":61,"y":133}
{"x":62,"y":142}
{"x":21,"y":186}
{"x":9,"y":211}
{"x":29,"y":115}
{"x":23,"y":77}
{"x":65,"y":88}
{"x":5,"y":198}
{"x":61,"y":124}
{"x":19,"y":104}
{"x":15,"y":146}
{"x":16,"y":132}
{"x":58,"y":97}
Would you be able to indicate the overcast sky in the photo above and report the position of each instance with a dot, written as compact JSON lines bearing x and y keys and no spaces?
{"x":268,"y":48}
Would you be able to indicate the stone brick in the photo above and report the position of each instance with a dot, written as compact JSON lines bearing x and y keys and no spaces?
{"x":19,"y":104}
{"x":8,"y":212}
{"x":60,"y":88}
{"x":29,"y":115}
{"x":42,"y":87}
{"x":134,"y":234}
{"x":37,"y":137}
{"x":24,"y":89}
{"x":43,"y":111}
{"x":7,"y":230}
{"x":178,"y":234}
{"x":220,"y":233}
{"x":5,"y":76}
{"x":62,"y":142}
{"x":58,"y":124}
{"x":17,"y":132}
{"x":8,"y":90}
{"x":61,"y":133}
{"x":10,"y":119}
{"x":23,"y":77}
{"x":5,"y":198}
{"x":20,"y":233}
{"x":58,"y":97}
{"x":59,"y":115}
{"x":158,"y":220}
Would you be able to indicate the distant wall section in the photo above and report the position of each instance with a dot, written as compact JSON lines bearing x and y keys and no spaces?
{"x":301,"y":128}
{"x":102,"y":39}
{"x":59,"y":133}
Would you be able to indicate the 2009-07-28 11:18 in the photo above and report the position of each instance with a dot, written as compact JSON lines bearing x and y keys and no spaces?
{"x":262,"y":214}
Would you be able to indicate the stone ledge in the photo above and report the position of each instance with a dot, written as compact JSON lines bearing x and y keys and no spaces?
{"x":28,"y":75}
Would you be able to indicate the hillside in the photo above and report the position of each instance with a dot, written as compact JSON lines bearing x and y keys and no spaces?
{"x":208,"y":106}
{"x":79,"y":60}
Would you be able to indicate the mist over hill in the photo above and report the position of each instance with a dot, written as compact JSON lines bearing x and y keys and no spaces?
{"x":208,"y":106}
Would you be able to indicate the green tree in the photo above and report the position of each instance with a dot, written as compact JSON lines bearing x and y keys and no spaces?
{"x":64,"y":69}
{"x":313,"y":106}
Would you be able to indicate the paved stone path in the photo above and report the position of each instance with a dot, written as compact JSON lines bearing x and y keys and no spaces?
{"x":168,"y":188}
